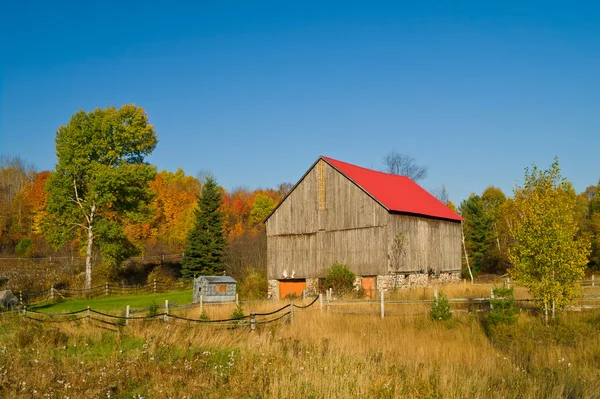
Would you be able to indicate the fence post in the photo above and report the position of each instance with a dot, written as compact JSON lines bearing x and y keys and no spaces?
{"x":593,"y":280}
{"x":328,"y":301}
{"x":382,"y":305}
{"x":88,"y":312}
{"x":201,"y":304}
{"x":166,"y":310}
{"x":435,"y":295}
{"x":52,"y":292}
{"x":106,"y":289}
{"x":237,"y":299}
{"x":25,"y":311}
{"x":303,"y":294}
{"x":491,"y":298}
{"x":291,"y":311}
{"x":252,"y":321}
{"x":321,"y":301}
{"x":155,"y":286}
{"x":508,"y":282}
{"x":21,"y":297}
{"x":127,"y":315}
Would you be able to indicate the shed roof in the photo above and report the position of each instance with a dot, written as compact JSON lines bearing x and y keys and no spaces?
{"x":395,"y":193}
{"x":218,"y":279}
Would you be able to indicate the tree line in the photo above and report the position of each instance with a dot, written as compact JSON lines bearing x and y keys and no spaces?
{"x":103,"y":201}
{"x":489,"y":220}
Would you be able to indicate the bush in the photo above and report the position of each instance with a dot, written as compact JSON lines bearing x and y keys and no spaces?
{"x":162,"y":275}
{"x":238,"y":312}
{"x":339,"y":278}
{"x":153,"y":309}
{"x":25,"y":248}
{"x":104,"y":272}
{"x":504,"y":310}
{"x":440,"y":310}
{"x":254,"y":285}
{"x":204,"y":316}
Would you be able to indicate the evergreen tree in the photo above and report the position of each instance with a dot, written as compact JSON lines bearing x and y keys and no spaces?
{"x":478,"y":230}
{"x":206,"y":242}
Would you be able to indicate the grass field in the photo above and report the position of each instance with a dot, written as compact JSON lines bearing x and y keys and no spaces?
{"x":117,"y":304}
{"x":319,"y":355}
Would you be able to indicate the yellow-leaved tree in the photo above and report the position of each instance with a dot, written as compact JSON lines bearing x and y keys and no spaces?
{"x":547,"y":254}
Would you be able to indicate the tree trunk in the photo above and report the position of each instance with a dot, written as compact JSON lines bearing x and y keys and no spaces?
{"x":546,"y":311}
{"x":462,"y":234}
{"x":553,"y":309}
{"x":88,"y":258}
{"x":88,"y":251}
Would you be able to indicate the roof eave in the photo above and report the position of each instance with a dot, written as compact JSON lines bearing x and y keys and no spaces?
{"x":421,"y":215}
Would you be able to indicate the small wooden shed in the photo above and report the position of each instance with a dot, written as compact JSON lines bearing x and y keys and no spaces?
{"x":214,"y":289}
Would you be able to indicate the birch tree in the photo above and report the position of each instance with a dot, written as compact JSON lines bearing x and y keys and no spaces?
{"x":101,"y":180}
{"x":547,"y":253}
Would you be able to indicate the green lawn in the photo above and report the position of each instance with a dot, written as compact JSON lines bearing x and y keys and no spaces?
{"x":117,"y":304}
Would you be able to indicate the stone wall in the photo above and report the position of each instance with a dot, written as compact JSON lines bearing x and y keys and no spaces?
{"x":312,"y":286}
{"x":273,"y":292}
{"x":392,"y":281}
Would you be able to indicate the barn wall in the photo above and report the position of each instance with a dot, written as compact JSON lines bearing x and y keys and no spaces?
{"x":432,"y":245}
{"x":351,"y":229}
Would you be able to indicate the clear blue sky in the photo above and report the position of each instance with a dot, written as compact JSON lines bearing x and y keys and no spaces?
{"x":256,"y":91}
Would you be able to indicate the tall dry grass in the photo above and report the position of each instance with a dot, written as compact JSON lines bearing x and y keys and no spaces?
{"x":319,"y":355}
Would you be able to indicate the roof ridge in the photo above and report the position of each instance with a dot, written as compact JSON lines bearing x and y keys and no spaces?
{"x":370,"y":170}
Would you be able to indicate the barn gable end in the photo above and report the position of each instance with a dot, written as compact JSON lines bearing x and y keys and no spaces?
{"x":303,"y":239}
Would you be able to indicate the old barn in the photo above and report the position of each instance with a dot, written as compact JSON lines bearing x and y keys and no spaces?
{"x":385,"y":228}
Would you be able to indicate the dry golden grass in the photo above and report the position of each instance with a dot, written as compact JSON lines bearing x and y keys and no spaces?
{"x":319,"y":355}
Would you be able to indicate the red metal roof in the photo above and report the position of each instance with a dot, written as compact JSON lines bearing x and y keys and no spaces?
{"x":395,"y":193}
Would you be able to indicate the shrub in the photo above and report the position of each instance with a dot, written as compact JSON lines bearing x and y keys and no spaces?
{"x":440,"y":310}
{"x":254,"y":285}
{"x":162,"y":275}
{"x":153,"y":309}
{"x":504,"y":310}
{"x":104,"y":272}
{"x":238,"y":312}
{"x":204,"y":316}
{"x":339,"y":278}
{"x":25,"y":248}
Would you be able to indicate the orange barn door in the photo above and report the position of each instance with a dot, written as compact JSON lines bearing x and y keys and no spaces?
{"x":293,"y":287}
{"x":368,"y":285}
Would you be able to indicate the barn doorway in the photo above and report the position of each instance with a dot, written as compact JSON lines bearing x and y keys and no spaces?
{"x":291,"y":287}
{"x":368,"y":284}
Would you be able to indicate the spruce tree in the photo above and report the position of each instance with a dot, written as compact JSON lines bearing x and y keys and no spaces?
{"x":206,"y":242}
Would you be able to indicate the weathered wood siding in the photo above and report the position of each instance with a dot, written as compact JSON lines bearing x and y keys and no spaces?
{"x":351,"y":230}
{"x":431,"y":244}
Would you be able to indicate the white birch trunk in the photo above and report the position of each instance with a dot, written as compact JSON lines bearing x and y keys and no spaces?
{"x":88,"y":258}
{"x":462,"y":234}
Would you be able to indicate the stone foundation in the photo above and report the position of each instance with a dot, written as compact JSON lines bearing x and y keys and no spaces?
{"x":273,"y":292}
{"x":384,"y":282}
{"x":312,"y":286}
{"x":392,"y":281}
{"x":357,"y":284}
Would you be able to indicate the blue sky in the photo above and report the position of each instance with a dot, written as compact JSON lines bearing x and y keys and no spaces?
{"x":256,"y":91}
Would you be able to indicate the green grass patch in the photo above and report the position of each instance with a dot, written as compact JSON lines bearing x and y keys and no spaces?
{"x":117,"y":304}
